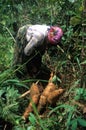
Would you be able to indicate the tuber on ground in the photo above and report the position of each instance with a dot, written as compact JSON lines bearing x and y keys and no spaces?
{"x":53,"y":96}
{"x":49,"y":95}
{"x":42,"y":98}
{"x":34,"y":95}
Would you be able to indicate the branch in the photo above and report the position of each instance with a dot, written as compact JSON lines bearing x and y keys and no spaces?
{"x":24,"y":94}
{"x":10,"y":34}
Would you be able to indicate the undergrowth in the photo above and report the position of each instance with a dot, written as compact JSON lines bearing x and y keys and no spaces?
{"x":66,"y":60}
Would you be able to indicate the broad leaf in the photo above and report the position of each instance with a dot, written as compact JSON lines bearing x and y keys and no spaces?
{"x":82,"y":122}
{"x":74,"y":124}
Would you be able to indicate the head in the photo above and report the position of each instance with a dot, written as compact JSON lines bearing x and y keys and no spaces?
{"x":54,"y":35}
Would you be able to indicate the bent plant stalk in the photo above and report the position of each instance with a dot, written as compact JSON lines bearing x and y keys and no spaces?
{"x":83,"y":53}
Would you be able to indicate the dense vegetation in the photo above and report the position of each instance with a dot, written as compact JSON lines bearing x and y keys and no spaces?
{"x":69,"y":60}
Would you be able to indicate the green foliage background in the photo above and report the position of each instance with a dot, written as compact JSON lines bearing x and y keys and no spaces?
{"x":67,"y":59}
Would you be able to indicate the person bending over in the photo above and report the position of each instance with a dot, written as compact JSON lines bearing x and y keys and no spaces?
{"x":31,"y":43}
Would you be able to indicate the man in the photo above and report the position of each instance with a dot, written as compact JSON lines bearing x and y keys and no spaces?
{"x":32,"y":41}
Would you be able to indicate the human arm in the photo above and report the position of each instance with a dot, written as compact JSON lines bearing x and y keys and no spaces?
{"x":35,"y":40}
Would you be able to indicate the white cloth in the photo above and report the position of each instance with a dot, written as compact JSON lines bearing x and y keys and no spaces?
{"x":40,"y":28}
{"x":35,"y":36}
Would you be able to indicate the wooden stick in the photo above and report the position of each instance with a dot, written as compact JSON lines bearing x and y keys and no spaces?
{"x":24,"y":94}
{"x":79,"y":104}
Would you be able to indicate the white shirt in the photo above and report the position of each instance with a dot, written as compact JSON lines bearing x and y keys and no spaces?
{"x":35,"y":35}
{"x":40,"y":28}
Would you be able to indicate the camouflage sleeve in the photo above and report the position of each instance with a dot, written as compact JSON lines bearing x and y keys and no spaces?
{"x":20,"y":44}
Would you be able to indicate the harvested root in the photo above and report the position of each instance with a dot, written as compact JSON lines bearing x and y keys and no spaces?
{"x":34,"y":90}
{"x":49,"y":88}
{"x":41,"y":97}
{"x":42,"y":103}
{"x":53,"y":96}
{"x":49,"y":95}
{"x":34,"y":94}
{"x":44,"y":96}
{"x":51,"y":77}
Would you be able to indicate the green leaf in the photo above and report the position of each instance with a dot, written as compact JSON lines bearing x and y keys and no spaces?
{"x":55,"y":79}
{"x":82,"y":122}
{"x":15,"y":82}
{"x":74,"y":124}
{"x":75,"y":21}
{"x":1,"y":92}
{"x":72,"y":1}
{"x":32,"y":118}
{"x":18,"y":128}
{"x":31,"y":128}
{"x":79,"y":64}
{"x":84,"y":62}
